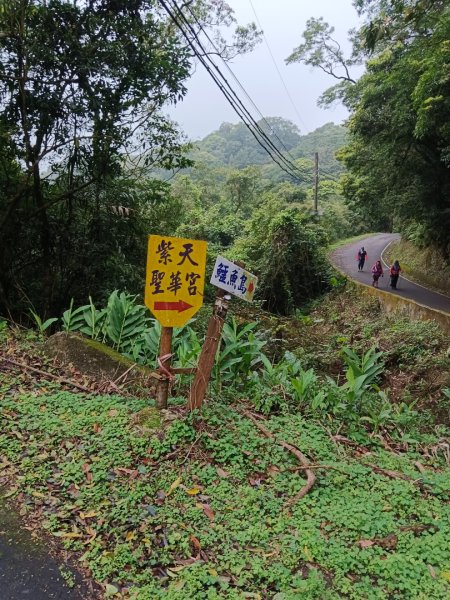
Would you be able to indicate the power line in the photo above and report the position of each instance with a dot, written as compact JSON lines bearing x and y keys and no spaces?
{"x":243,"y":108}
{"x":330,"y":175}
{"x":260,"y":136}
{"x":227,"y":66}
{"x":277,"y":69}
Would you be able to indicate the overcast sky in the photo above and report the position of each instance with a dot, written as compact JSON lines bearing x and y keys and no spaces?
{"x":283,"y":21}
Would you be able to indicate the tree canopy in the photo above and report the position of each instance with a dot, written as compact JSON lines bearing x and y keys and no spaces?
{"x":82,"y":85}
{"x":399,"y":146}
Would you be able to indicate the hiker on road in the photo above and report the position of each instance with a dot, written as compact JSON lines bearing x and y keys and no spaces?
{"x":395,"y":273}
{"x":377,"y":272}
{"x":362,"y":255}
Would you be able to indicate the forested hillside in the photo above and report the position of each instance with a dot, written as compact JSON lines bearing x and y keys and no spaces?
{"x":246,"y":206}
{"x":399,"y":139}
{"x":233,"y":145}
{"x":82,"y":187}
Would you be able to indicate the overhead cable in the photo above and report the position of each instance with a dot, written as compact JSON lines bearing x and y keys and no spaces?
{"x":263,"y":140}
{"x":231,"y":96}
{"x":278,"y":70}
{"x":227,"y":66}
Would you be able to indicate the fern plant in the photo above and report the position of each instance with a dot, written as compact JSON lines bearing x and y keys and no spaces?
{"x":42,"y":325}
{"x":239,"y":354}
{"x":361,"y":373}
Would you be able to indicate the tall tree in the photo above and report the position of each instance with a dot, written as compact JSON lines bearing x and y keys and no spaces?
{"x":399,"y":149}
{"x":81,"y":87}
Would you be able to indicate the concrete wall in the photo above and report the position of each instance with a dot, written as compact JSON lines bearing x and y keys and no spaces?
{"x":393,"y":303}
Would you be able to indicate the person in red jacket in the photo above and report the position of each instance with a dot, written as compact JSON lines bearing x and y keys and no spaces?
{"x":395,"y":273}
{"x":377,"y":272}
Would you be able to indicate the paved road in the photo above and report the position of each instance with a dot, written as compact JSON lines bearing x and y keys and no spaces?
{"x":26,"y":569}
{"x":345,"y":259}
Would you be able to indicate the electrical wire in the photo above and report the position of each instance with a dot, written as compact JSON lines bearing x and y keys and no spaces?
{"x":226,"y":89}
{"x":227,"y":66}
{"x":278,"y":70}
{"x":331,"y":176}
{"x":261,"y":132}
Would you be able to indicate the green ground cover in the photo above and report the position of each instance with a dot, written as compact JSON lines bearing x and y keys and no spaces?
{"x":197,"y":506}
{"x":153,"y":520}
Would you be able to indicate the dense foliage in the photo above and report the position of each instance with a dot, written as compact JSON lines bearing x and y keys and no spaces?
{"x":198,"y":505}
{"x":398,"y":153}
{"x":82,"y":85}
{"x":259,"y":215}
{"x":288,"y":251}
{"x":233,"y":145}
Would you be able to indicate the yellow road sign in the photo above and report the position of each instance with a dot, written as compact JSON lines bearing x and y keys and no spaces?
{"x":175,"y":278}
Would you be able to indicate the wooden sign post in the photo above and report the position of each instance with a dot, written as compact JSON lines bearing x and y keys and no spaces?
{"x":209,"y":351}
{"x":164,"y":360}
{"x":234,"y":279}
{"x":174,"y":287}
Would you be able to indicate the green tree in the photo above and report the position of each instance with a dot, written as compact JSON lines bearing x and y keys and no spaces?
{"x":242,"y":186}
{"x":82,"y":85}
{"x":399,"y":146}
{"x":286,"y":250}
{"x":321,"y":50}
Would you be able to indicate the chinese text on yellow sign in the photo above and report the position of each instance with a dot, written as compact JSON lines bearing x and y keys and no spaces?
{"x":175,"y":278}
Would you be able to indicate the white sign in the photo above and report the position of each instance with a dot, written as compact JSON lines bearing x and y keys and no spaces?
{"x":233,"y":279}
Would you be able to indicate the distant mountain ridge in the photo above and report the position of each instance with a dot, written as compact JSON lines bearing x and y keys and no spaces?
{"x":233,"y":145}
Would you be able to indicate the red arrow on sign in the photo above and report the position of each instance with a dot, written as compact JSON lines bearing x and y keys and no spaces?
{"x":179,"y":306}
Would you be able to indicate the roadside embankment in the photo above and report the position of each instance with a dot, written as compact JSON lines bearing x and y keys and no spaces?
{"x":392,"y":303}
{"x":426,"y":266}
{"x":411,"y":299}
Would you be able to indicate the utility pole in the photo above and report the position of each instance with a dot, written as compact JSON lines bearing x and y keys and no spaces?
{"x":316,"y":181}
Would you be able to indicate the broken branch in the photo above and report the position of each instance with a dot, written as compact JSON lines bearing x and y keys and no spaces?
{"x":310,"y":476}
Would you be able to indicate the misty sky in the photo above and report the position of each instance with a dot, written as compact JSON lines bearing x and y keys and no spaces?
{"x":283,"y":22}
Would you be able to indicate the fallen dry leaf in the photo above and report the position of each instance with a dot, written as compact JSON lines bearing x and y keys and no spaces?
{"x":88,"y":515}
{"x":174,"y":486}
{"x":70,"y":535}
{"x":222,"y":473}
{"x":195,"y":542}
{"x":38,"y":494}
{"x":93,"y":535}
{"x":87,"y":472}
{"x":365,"y":543}
{"x":207,"y":510}
{"x":273,"y":470}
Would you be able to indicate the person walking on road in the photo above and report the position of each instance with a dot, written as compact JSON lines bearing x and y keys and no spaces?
{"x":395,"y":273}
{"x":377,"y":272}
{"x":362,"y":255}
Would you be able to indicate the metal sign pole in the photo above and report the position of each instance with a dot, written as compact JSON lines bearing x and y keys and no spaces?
{"x":165,"y":355}
{"x":209,"y":350}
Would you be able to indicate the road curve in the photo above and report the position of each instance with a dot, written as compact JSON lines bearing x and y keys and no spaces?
{"x":345,"y":259}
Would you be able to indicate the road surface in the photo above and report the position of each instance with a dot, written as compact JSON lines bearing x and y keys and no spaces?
{"x":27,"y":571}
{"x":345,"y":260}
